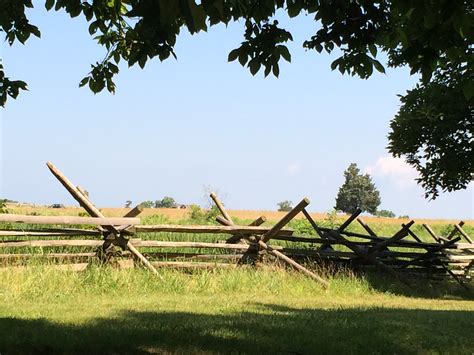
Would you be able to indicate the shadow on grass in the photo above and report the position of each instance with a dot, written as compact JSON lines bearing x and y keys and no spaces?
{"x":420,"y":287}
{"x":267,"y":329}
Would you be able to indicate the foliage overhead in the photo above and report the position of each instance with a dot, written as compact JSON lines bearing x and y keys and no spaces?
{"x":358,"y":191}
{"x":431,"y":37}
{"x":434,"y":131}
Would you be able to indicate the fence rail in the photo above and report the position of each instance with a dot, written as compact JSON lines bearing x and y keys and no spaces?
{"x":120,"y":238}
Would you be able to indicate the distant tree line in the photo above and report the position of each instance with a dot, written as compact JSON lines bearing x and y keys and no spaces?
{"x":165,"y":202}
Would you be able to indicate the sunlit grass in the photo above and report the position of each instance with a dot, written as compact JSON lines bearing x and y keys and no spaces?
{"x":247,"y":310}
{"x":267,"y":308}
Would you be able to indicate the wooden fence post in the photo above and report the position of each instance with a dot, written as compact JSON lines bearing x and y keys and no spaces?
{"x":454,"y":230}
{"x":94,"y":212}
{"x":431,"y":232}
{"x":351,"y":218}
{"x":366,"y":227}
{"x":411,"y":233}
{"x":284,"y":221}
{"x":220,"y":207}
{"x":464,"y":234}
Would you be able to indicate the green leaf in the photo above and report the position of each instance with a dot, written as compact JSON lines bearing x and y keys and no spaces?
{"x":369,"y":68}
{"x":116,"y":56}
{"x":243,"y":57}
{"x":233,"y":55}
{"x":285,"y":53}
{"x":59,"y":5}
{"x":23,"y":36}
{"x":468,"y":89}
{"x":199,"y":17}
{"x":276,"y":69}
{"x":294,"y":9}
{"x":75,"y":10}
{"x":93,"y":27}
{"x":194,"y":15}
{"x":378,"y":66}
{"x":111,"y":86}
{"x":268,"y":69}
{"x":84,"y":82}
{"x":219,"y":5}
{"x":254,"y":66}
{"x":49,"y":4}
{"x":113,"y":68}
{"x":21,"y":84}
{"x":88,"y":13}
{"x":169,"y":11}
{"x":35,"y":31}
{"x":402,"y":37}
{"x":142,"y":60}
{"x":92,"y":86}
{"x":342,"y":68}
{"x":100,"y":85}
{"x":373,"y":49}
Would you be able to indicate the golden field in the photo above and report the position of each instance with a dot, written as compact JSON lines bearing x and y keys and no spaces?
{"x":174,"y":214}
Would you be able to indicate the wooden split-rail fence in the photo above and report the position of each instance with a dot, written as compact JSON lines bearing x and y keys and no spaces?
{"x":118,"y":240}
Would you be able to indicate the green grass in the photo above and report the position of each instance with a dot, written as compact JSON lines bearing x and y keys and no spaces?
{"x":267,"y":309}
{"x":103,"y":310}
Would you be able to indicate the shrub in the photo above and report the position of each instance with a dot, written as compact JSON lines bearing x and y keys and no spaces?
{"x":385,"y":213}
{"x":285,"y":206}
{"x":166,"y":202}
{"x":331,"y":220}
{"x":3,"y":206}
{"x":147,"y":204}
{"x":196,"y":213}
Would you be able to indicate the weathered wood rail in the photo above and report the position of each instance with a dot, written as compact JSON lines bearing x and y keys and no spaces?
{"x":120,"y":238}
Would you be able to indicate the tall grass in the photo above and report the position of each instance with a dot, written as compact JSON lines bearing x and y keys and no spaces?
{"x":41,"y":281}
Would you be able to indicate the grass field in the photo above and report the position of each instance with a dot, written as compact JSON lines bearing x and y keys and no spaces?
{"x":270,"y":310}
{"x":108,"y":311}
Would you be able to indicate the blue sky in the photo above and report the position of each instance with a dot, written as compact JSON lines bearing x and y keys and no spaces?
{"x":176,"y":127}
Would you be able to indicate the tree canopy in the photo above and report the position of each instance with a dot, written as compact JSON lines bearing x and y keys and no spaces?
{"x":166,"y":202}
{"x":434,"y":131}
{"x":434,"y":38}
{"x":358,"y":191}
{"x":147,"y":204}
{"x":285,"y":206}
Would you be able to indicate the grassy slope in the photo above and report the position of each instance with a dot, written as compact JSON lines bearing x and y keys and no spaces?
{"x":105,"y":310}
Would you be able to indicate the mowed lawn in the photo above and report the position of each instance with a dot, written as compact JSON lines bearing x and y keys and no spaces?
{"x":269,"y":310}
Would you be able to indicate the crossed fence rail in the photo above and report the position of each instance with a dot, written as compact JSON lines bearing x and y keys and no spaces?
{"x":118,"y":239}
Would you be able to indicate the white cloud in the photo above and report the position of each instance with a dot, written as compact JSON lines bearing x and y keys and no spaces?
{"x":394,"y":169}
{"x":293,"y":169}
